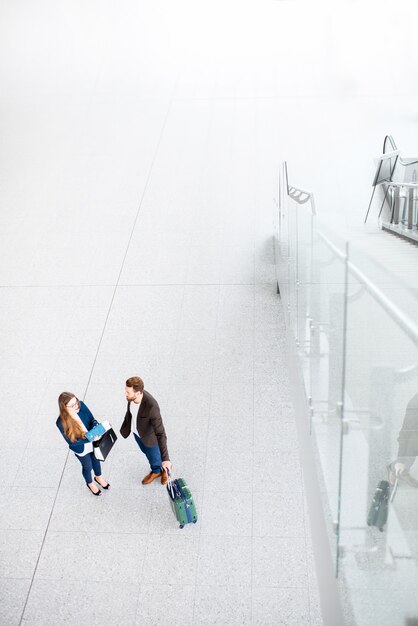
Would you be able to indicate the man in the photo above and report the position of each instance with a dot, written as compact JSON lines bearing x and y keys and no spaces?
{"x":408,"y":446}
{"x":151,"y":437}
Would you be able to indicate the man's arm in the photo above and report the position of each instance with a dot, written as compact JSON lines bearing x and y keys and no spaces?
{"x":159,"y":430}
{"x":408,"y":435}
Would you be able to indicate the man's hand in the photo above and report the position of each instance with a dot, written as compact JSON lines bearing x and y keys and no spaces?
{"x":167,"y":465}
{"x":399,"y":468}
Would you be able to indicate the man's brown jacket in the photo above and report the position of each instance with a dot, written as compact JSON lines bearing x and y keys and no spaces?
{"x":149,"y":424}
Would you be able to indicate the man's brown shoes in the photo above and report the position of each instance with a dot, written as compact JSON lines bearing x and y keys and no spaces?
{"x":150,"y":477}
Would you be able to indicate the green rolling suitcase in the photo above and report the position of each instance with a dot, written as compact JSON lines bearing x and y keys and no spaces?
{"x":379,"y":509}
{"x":181,"y":501}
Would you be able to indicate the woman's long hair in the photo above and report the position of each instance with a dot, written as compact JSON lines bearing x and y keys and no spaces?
{"x":71,"y":428}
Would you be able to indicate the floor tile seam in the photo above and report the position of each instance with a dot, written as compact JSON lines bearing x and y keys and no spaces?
{"x":145,"y":584}
{"x":302,"y":96}
{"x":304,"y":511}
{"x":45,"y":530}
{"x":253,"y":535}
{"x":141,"y":583}
{"x":119,"y":489}
{"x":45,"y":534}
{"x":305,"y":504}
{"x":55,"y":286}
{"x":68,"y":578}
{"x":183,"y":283}
{"x":138,"y":582}
{"x":145,"y":188}
{"x":112,"y":285}
{"x":90,"y":97}
{"x":46,"y":385}
{"x":90,"y":579}
{"x":253,"y":440}
{"x":23,"y":452}
{"x":206,"y":451}
{"x":19,"y":530}
{"x":99,"y":343}
{"x":303,"y":536}
{"x":23,"y":448}
{"x":271,"y":491}
{"x":261,"y":491}
{"x":190,"y":235}
{"x":243,"y":585}
{"x":188,"y":262}
{"x":246,"y":586}
{"x":100,"y":532}
{"x":150,"y":536}
{"x":273,"y":586}
{"x":213,"y":585}
{"x":171,"y":533}
{"x":42,"y":448}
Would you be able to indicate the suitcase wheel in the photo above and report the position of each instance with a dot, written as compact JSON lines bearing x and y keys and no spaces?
{"x":181,"y":526}
{"x":381,"y":530}
{"x":194,"y":521}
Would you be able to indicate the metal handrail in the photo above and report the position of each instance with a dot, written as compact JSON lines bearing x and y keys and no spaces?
{"x":389,"y":139}
{"x":398,"y":316}
{"x":299,"y":195}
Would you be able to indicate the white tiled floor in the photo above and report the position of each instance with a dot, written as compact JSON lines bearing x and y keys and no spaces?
{"x":140,"y":143}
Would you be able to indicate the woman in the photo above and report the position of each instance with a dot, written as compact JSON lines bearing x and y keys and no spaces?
{"x":76,"y":419}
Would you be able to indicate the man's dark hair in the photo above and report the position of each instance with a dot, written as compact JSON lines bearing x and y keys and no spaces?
{"x":136,"y":383}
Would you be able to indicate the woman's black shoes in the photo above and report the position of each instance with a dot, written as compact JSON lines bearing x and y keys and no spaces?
{"x":98,"y":493}
{"x":107,"y":486}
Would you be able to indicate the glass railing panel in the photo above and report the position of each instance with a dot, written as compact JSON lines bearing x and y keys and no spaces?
{"x":299,"y":220}
{"x":306,"y":296}
{"x":326,"y":301}
{"x":292,"y":230}
{"x":339,"y":300}
{"x":304,"y":285}
{"x":378,"y":569}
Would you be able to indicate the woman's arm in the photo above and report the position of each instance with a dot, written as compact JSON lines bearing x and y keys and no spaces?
{"x":89,"y":417}
{"x":75,"y":446}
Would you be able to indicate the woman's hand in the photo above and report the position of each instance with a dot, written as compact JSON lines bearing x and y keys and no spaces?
{"x":96,"y":438}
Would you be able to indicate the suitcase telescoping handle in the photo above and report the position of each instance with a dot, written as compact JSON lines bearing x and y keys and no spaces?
{"x":394,"y":489}
{"x":170,"y":484}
